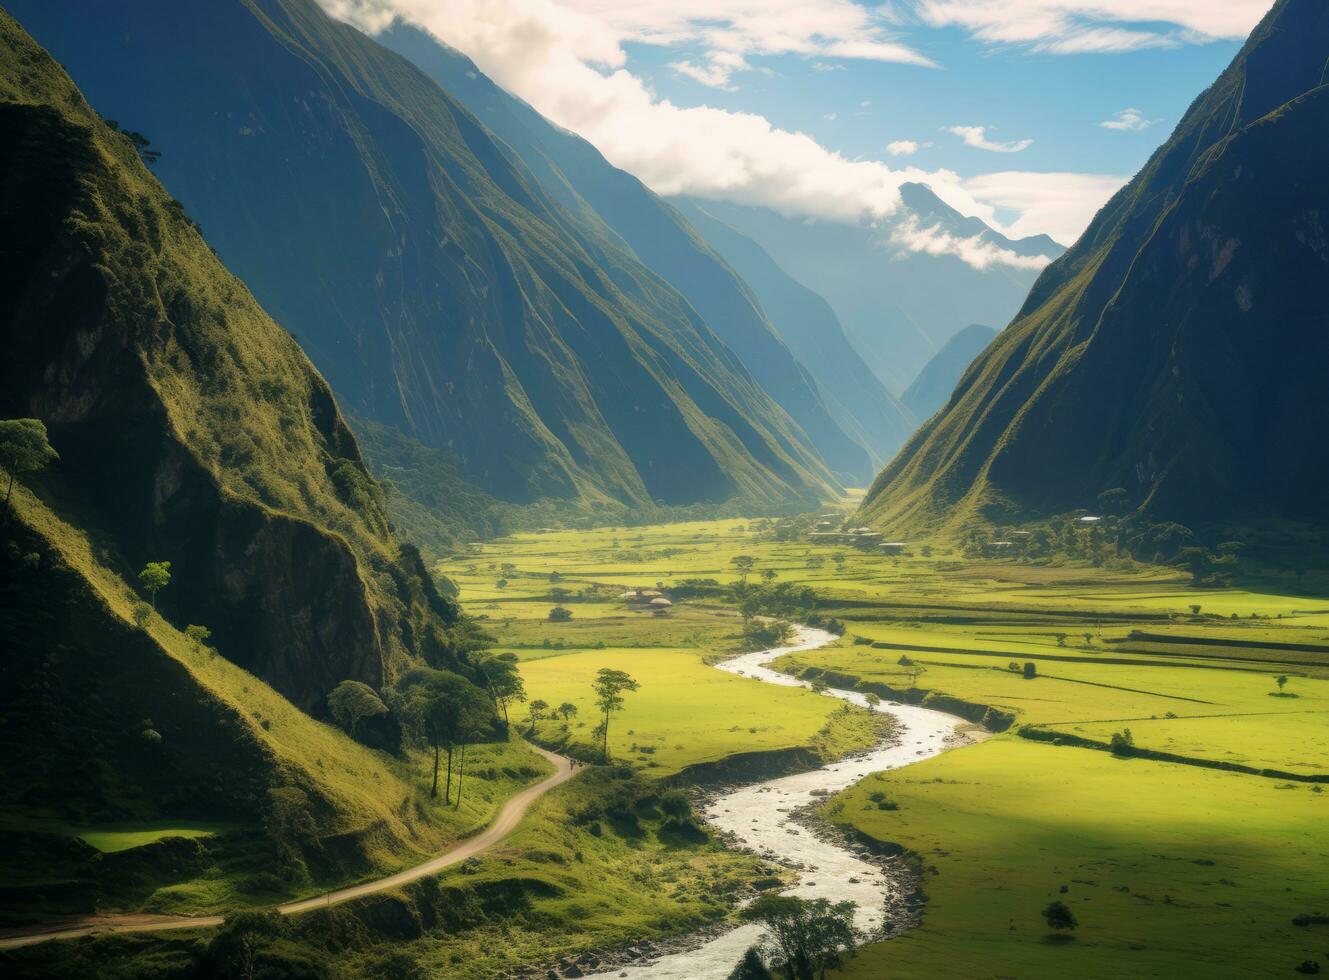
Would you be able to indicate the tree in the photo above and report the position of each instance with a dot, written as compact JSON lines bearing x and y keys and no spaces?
{"x":609,"y":687}
{"x":537,"y":709}
{"x":805,"y":938}
{"x":567,"y":710}
{"x":351,"y":702}
{"x":1198,"y":561}
{"x":1059,"y":916}
{"x":743,"y":564}
{"x":1195,"y":609}
{"x":198,"y":635}
{"x":236,"y":946}
{"x":1114,"y":501}
{"x":555,"y":578}
{"x":769,"y":576}
{"x":142,"y":612}
{"x":751,"y":967}
{"x":1281,"y":681}
{"x":500,"y":678}
{"x":447,"y":710}
{"x":501,"y":584}
{"x":872,"y":700}
{"x":156,"y":575}
{"x":1122,"y":742}
{"x":23,"y":450}
{"x":1030,"y":671}
{"x":560,"y":614}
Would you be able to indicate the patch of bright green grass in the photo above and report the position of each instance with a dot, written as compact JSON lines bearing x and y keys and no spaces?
{"x":110,"y":838}
{"x":1171,"y":870}
{"x":685,"y":711}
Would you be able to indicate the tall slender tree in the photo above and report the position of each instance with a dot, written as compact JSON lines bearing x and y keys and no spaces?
{"x":609,"y":687}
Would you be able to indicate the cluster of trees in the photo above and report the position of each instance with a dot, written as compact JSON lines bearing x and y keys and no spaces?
{"x":804,"y":938}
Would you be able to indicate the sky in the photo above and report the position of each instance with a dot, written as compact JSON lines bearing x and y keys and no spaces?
{"x":1028,"y":114}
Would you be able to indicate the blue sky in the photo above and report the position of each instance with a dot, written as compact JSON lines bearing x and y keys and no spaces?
{"x":795,"y":104}
{"x":1057,"y":101}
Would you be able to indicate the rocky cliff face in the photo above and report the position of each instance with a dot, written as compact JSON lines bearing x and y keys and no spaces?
{"x":191,"y":428}
{"x":1177,"y":351}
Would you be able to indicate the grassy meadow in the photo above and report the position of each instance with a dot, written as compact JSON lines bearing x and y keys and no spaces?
{"x":1170,"y":868}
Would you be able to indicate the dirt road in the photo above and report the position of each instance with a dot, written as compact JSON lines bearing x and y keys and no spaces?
{"x":504,"y":824}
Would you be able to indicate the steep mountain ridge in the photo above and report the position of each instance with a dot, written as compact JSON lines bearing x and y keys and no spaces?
{"x":190,"y":428}
{"x":574,"y":173}
{"x":189,"y":424}
{"x":425,"y":270}
{"x":1178,"y":350}
{"x":897,"y":306}
{"x":934,"y":384}
{"x":858,"y":400}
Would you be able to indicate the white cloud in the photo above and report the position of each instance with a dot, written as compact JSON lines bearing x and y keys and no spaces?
{"x":1081,"y":26}
{"x":911,"y":234}
{"x":718,"y":70}
{"x":902,"y":148}
{"x":831,"y":116}
{"x":566,"y":58}
{"x":1130,"y":120}
{"x":976,"y":136}
{"x":1056,"y":204}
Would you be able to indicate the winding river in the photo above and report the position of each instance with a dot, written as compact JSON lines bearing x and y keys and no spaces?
{"x":761,"y":818}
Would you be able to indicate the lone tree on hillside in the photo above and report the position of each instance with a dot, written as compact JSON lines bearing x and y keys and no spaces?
{"x":806,"y":938}
{"x":1030,"y":671}
{"x":567,"y":710}
{"x":743,"y":564}
{"x":156,"y":575}
{"x":1281,"y":681}
{"x":351,"y":702}
{"x":560,"y":614}
{"x":23,"y":450}
{"x":1059,"y":916}
{"x":198,"y":635}
{"x":769,"y":576}
{"x":609,"y":687}
{"x":234,"y":949}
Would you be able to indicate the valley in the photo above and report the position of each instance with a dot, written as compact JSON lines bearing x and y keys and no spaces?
{"x":562,"y":489}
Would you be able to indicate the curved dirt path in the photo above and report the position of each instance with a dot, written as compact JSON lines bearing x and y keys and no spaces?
{"x":504,"y":824}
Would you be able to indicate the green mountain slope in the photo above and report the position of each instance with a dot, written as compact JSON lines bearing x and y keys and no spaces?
{"x":574,"y":173}
{"x":191,"y":428}
{"x":1178,"y":351}
{"x":857,"y":399}
{"x":934,"y":384}
{"x":897,"y":307}
{"x":423,"y":268}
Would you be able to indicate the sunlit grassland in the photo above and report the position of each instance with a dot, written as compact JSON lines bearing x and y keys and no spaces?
{"x":1171,"y":870}
{"x":1001,"y":826}
{"x":685,"y":712}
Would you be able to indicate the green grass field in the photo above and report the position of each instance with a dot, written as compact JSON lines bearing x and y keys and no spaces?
{"x":685,"y":712}
{"x":1000,"y":827}
{"x":1171,"y":870}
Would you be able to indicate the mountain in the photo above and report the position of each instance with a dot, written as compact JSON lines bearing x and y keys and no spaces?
{"x":1178,"y":351}
{"x":192,"y":429}
{"x":431,"y":278}
{"x":898,"y":307}
{"x":934,"y":384}
{"x":578,"y":177}
{"x":857,"y":399}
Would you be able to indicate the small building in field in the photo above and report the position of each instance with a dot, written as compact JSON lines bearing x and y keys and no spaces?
{"x":893,"y":547}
